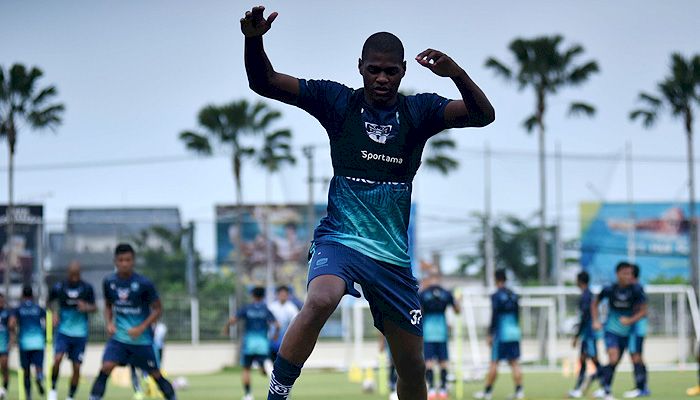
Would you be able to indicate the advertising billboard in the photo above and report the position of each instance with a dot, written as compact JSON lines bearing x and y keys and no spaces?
{"x":25,"y":241}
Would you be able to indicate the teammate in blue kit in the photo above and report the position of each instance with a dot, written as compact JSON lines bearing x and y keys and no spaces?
{"x":29,"y":319}
{"x":504,"y":337}
{"x":636,"y":346}
{"x":76,"y":299}
{"x":4,"y":346}
{"x":131,"y":307}
{"x":256,"y":344}
{"x":376,"y":137}
{"x":434,"y":300}
{"x":587,"y":337}
{"x":627,"y":304}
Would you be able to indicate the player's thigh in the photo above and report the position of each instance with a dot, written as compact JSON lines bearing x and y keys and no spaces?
{"x":329,"y":277}
{"x":406,"y":349}
{"x":143,"y":357}
{"x":76,"y":349}
{"x":116,"y":353}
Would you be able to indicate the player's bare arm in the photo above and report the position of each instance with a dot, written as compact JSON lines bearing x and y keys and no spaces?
{"x":594,"y":315}
{"x":474,"y":109}
{"x":156,"y":312}
{"x":641,"y":313}
{"x":262,"y":78}
{"x":109,"y":319}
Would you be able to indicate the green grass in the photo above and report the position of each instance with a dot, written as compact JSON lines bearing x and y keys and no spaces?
{"x":314,"y":385}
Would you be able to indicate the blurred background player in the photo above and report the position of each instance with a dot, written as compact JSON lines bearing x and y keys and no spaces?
{"x":627,"y":304}
{"x":132,"y":306}
{"x":256,"y":345}
{"x":434,"y":300}
{"x":75,"y":299}
{"x":504,"y":337}
{"x":29,"y":319}
{"x":284,"y":311}
{"x":587,"y":337}
{"x":636,"y":345}
{"x":4,"y":347}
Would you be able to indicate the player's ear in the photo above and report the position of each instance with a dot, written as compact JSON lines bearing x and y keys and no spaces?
{"x":359,"y":65}
{"x":404,"y":66}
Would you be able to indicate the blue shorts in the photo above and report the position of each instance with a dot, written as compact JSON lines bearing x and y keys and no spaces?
{"x":31,"y":357}
{"x":589,"y":347}
{"x":636,"y":344}
{"x":391,"y":290}
{"x":140,"y":356}
{"x":508,"y":351}
{"x":614,"y":341}
{"x":247,"y":360}
{"x":74,"y":347}
{"x":435,"y":351}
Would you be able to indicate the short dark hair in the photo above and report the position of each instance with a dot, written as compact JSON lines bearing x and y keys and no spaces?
{"x":258,"y":292}
{"x":635,"y":271}
{"x":27,"y":291}
{"x":383,"y":42}
{"x":281,"y":288}
{"x":500,"y":275}
{"x":583,"y":277}
{"x":622,"y":265}
{"x":123,"y":248}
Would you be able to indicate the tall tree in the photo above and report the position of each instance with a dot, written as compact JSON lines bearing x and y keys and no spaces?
{"x":438,"y":157}
{"x":543,"y":65}
{"x":23,"y":103}
{"x":678,"y":93}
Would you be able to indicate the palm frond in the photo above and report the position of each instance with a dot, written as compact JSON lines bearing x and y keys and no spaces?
{"x":648,"y":117}
{"x":196,"y":142}
{"x":530,"y":123}
{"x":581,"y":109}
{"x":499,"y":68}
{"x":48,"y":117}
{"x":442,"y":163}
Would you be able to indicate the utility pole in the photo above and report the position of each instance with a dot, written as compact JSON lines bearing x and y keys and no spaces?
{"x":631,"y":229}
{"x":310,"y":212}
{"x":488,"y":230}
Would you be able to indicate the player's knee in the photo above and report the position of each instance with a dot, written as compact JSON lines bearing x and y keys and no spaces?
{"x":319,"y":307}
{"x":411,"y":367}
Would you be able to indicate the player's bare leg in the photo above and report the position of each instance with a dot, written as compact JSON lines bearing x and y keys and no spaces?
{"x":407,"y":352}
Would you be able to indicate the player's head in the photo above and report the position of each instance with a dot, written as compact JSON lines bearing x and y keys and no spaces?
{"x":282,"y":293}
{"x":624,"y":272}
{"x":500,"y":277}
{"x":27,"y":292}
{"x":382,"y":67}
{"x":258,"y":293}
{"x":124,"y":258}
{"x":74,"y":272}
{"x":582,"y":279}
{"x":635,"y":272}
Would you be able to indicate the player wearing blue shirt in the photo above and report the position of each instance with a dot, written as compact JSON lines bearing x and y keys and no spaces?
{"x":636,"y":345}
{"x":587,"y":336}
{"x":29,"y":320}
{"x":376,"y":138}
{"x":504,"y":337}
{"x":434,"y":300}
{"x":256,"y":344}
{"x":626,"y":305}
{"x":5,"y":313}
{"x":131,"y":307}
{"x":76,"y":299}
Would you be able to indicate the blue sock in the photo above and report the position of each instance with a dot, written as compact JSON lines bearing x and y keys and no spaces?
{"x":429,"y":378}
{"x":28,"y":383}
{"x":73,"y":389}
{"x":282,"y":379}
{"x":608,"y":374}
{"x":443,"y":378}
{"x":98,"y":388}
{"x":640,"y":376}
{"x":165,"y":387}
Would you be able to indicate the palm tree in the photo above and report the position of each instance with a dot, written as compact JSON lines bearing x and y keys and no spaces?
{"x":23,"y":103}
{"x":677,"y":93}
{"x":438,"y":157}
{"x":542,"y":64}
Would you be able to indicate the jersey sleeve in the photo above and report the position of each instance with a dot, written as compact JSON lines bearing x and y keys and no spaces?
{"x":640,"y":296}
{"x":428,"y":112}
{"x":54,"y":292}
{"x":605,"y":293}
{"x":89,"y":294}
{"x":494,"y":314}
{"x":105,"y":291}
{"x":450,"y":298}
{"x":325,"y":100}
{"x":150,"y":294}
{"x":270,"y":317}
{"x":241,"y":313}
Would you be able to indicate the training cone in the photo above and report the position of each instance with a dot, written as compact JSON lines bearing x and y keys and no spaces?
{"x":355,"y":374}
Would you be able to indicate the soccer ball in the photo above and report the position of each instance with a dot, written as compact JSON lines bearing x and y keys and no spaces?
{"x":369,"y":385}
{"x":180,"y":383}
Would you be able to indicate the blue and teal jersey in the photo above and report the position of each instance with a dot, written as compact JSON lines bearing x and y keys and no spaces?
{"x":72,"y":322}
{"x":505,"y":320}
{"x":131,"y":300}
{"x":4,"y":331}
{"x":257,"y":319}
{"x":30,"y":324}
{"x":585,"y":326}
{"x":366,"y":213}
{"x":622,"y":302}
{"x":434,"y":301}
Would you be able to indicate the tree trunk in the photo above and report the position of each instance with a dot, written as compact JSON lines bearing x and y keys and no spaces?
{"x":11,"y":137}
{"x":694,"y":273}
{"x":542,"y":231}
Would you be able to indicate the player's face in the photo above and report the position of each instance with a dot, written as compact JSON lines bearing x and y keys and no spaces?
{"x":382,"y":74}
{"x":74,"y":273}
{"x":625,"y":277}
{"x":283,"y":296}
{"x":124,"y":263}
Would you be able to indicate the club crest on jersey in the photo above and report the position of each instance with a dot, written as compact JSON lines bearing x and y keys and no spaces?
{"x":134,"y":286}
{"x":378,"y":133}
{"x":72,"y":293}
{"x":123,"y":294}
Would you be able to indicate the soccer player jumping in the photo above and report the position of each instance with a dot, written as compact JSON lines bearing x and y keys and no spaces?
{"x":376,"y":138}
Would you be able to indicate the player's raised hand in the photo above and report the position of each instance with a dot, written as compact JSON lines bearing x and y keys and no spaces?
{"x":253,"y":24}
{"x":111,"y":329}
{"x":438,"y":62}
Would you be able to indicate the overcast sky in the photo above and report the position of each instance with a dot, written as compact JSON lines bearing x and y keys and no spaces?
{"x":134,"y":74}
